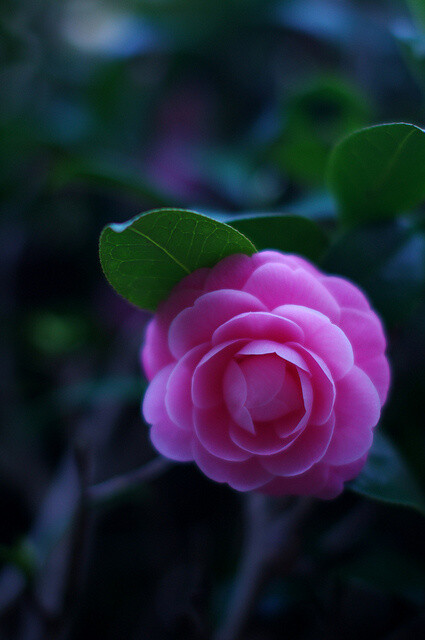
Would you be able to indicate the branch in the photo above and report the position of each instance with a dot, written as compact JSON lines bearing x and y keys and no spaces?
{"x":127,"y":482}
{"x":267,"y":537}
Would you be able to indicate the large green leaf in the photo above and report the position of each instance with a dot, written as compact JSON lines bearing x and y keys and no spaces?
{"x":387,"y":478}
{"x":315,"y":118}
{"x":294,"y":234}
{"x":144,"y":258}
{"x":378,"y":172}
{"x":388,"y":261}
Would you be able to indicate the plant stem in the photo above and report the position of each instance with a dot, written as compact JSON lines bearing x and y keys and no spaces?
{"x":250,"y":569}
{"x":269,"y":536}
{"x":127,"y":482}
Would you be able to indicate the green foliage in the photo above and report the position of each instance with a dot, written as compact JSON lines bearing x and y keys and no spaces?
{"x":315,"y":118}
{"x":293,"y":234}
{"x":386,"y":477}
{"x":389,"y":571}
{"x":378,"y":172}
{"x":388,"y":261}
{"x":144,"y":258}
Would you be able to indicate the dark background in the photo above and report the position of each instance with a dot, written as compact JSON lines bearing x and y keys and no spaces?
{"x":112,"y":108}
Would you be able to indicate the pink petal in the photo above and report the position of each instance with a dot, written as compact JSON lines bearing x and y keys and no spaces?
{"x":262,"y":347}
{"x":306,"y":484}
{"x":243,"y":476}
{"x":212,"y":427}
{"x":345,"y":293}
{"x":234,"y":387}
{"x":364,"y":331}
{"x":277,"y":284}
{"x":178,"y":397}
{"x":235,"y":393}
{"x":153,"y":407}
{"x":297,"y":420}
{"x":322,"y":383}
{"x":230,"y":273}
{"x":339,"y":475}
{"x":155,"y":352}
{"x":286,"y":400}
{"x":264,"y":442}
{"x":258,"y":325}
{"x":196,"y":324}
{"x":321,"y":336}
{"x":289,"y":259}
{"x":378,"y":371}
{"x":357,"y":410}
{"x":263,"y":377}
{"x":195,"y":280}
{"x":207,"y":381}
{"x":303,"y":453}
{"x":171,"y":441}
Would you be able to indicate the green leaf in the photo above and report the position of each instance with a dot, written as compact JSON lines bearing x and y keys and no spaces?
{"x":388,"y":261}
{"x":378,"y":172}
{"x":144,"y":258}
{"x":315,"y":118}
{"x":387,"y":478}
{"x":387,"y":570}
{"x":417,"y":8}
{"x":293,"y":234}
{"x":117,"y":175}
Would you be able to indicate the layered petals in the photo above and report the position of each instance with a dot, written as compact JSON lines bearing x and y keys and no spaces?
{"x":267,"y":373}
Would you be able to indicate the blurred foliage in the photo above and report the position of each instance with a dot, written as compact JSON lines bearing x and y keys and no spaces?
{"x":229,"y":108}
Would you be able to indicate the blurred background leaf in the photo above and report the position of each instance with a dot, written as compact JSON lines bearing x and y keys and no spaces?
{"x":378,"y":172}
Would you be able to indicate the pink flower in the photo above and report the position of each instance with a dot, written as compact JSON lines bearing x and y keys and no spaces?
{"x":268,"y":374}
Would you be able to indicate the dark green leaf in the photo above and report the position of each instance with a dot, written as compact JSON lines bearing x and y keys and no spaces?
{"x":378,"y":172}
{"x":117,"y":174}
{"x":387,"y":478}
{"x":388,"y":261}
{"x":388,"y":571}
{"x":293,"y":234}
{"x":417,"y":8}
{"x":315,"y":118}
{"x":144,"y":258}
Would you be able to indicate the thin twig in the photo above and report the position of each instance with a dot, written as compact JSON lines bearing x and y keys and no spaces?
{"x":122,"y":484}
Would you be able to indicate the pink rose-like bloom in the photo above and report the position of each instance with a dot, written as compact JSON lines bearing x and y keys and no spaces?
{"x":267,"y":373}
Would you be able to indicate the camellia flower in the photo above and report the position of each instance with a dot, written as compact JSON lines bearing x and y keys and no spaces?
{"x":267,"y":373}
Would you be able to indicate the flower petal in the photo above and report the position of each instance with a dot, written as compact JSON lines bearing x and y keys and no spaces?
{"x":212,"y":427}
{"x":207,"y":381}
{"x":347,"y":295}
{"x":364,"y":331}
{"x":178,"y":395}
{"x":321,"y":336}
{"x":230,"y":273}
{"x":322,"y":383}
{"x":378,"y":371}
{"x":243,"y":476}
{"x":306,"y":484}
{"x":171,"y":441}
{"x":258,"y":325}
{"x":357,"y":410}
{"x":277,"y":284}
{"x":263,"y":347}
{"x":195,"y":325}
{"x":153,"y":406}
{"x":303,"y":453}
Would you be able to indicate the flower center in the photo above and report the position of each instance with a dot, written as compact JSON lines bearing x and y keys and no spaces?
{"x":262,"y":388}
